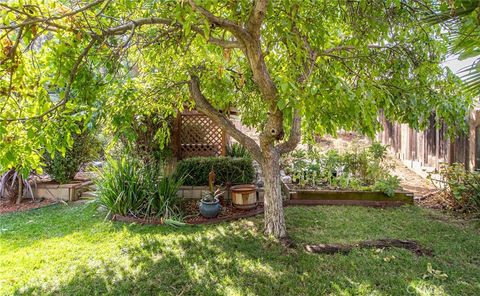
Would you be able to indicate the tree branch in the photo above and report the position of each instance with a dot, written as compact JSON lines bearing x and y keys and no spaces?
{"x":232,"y":27}
{"x":295,"y":134}
{"x":11,"y":53}
{"x":122,"y":29}
{"x":256,"y":17}
{"x":224,"y":43}
{"x":204,"y":106}
{"x":35,"y":20}
{"x":350,"y":48}
{"x":66,"y":97}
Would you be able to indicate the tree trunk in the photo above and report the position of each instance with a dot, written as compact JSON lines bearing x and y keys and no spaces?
{"x":20,"y":189}
{"x":273,"y":202}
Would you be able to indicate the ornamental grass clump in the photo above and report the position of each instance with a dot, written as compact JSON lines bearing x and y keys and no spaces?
{"x":130,"y":187}
{"x":14,"y":186}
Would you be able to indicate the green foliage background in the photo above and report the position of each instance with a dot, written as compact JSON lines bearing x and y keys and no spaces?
{"x":372,"y":56}
{"x":63,"y":167}
{"x":228,"y":170}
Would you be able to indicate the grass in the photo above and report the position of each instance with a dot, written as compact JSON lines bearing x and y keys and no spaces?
{"x":71,"y":250}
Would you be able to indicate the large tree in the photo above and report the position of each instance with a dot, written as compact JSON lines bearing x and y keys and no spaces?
{"x":290,"y":67}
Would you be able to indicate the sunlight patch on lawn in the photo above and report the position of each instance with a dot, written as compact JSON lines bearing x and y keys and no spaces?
{"x":72,"y":250}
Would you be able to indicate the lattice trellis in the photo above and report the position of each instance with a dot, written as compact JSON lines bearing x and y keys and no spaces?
{"x":200,"y":136}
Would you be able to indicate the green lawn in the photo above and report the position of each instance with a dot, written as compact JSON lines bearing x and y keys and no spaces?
{"x":71,"y":250}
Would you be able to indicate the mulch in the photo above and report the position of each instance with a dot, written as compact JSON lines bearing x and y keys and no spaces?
{"x":193,"y":217}
{"x":27,"y":204}
{"x":228,"y":213}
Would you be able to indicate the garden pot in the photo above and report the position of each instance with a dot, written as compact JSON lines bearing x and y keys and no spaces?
{"x":210,"y":209}
{"x":244,"y":196}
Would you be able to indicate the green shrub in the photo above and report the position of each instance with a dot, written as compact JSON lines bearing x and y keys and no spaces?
{"x":62,"y":168}
{"x":388,"y":185}
{"x":462,"y":188}
{"x":238,"y":151}
{"x":377,"y":150}
{"x":228,"y":170}
{"x":130,"y":187}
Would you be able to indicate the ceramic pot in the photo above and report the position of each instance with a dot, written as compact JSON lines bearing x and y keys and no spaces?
{"x":210,"y":209}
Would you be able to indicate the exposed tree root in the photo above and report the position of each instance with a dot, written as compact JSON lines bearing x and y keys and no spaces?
{"x":409,"y":245}
{"x":287,"y":242}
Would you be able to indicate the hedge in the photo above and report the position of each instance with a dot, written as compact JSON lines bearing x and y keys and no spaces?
{"x":228,"y":170}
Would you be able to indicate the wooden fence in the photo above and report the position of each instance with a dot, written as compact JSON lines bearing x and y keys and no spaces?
{"x":427,"y":148}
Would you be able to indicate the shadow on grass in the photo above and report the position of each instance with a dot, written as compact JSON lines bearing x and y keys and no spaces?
{"x":234,"y":258}
{"x":197,"y":262}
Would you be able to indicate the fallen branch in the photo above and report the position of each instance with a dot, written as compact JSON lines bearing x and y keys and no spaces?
{"x":409,"y":245}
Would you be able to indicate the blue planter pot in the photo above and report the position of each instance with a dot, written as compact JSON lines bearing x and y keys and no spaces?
{"x":210,"y":209}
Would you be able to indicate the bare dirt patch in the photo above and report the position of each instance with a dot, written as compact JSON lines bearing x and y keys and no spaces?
{"x":27,"y":204}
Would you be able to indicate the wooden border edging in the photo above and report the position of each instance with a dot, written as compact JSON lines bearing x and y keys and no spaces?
{"x":346,"y":197}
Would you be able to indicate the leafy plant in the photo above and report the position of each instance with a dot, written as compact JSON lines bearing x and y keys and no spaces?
{"x":162,"y":199}
{"x":358,"y":170}
{"x":129,"y":187}
{"x":212,"y":196}
{"x":62,"y":166}
{"x":120,"y":186}
{"x":237,"y":150}
{"x":388,"y":185}
{"x":462,"y":187}
{"x":229,"y":171}
{"x":14,"y":186}
{"x":378,"y":150}
{"x":460,"y":20}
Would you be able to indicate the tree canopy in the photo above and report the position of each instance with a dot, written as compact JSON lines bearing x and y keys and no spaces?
{"x":63,"y":61}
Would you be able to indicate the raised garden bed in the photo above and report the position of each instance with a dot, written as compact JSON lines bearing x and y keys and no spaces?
{"x":55,"y":191}
{"x":299,"y":196}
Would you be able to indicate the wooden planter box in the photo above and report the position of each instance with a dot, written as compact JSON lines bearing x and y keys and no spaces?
{"x":347,"y":197}
{"x":66,"y":192}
